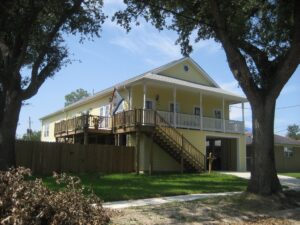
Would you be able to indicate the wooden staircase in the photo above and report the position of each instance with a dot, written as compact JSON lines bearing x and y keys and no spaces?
{"x":177,"y":146}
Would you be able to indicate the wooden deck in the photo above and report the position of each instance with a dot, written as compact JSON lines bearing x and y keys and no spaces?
{"x":139,"y":121}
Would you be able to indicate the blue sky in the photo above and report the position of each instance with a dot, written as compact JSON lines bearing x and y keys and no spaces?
{"x":117,"y":56}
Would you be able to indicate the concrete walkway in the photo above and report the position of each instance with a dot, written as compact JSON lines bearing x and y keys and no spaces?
{"x":162,"y":200}
{"x":291,"y":182}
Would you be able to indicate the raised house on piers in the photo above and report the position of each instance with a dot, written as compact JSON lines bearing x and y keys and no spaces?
{"x":174,"y":115}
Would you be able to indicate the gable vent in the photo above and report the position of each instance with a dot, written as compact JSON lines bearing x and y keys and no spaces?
{"x":186,"y":68}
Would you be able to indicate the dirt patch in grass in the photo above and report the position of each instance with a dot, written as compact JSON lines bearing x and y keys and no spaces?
{"x":239,"y":209}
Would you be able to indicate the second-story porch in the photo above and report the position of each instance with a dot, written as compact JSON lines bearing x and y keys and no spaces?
{"x":127,"y":121}
{"x":181,"y":104}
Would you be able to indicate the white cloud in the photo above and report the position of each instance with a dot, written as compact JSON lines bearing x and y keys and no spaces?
{"x":145,"y":40}
{"x":127,"y":43}
{"x":232,"y":86}
{"x":210,"y":46}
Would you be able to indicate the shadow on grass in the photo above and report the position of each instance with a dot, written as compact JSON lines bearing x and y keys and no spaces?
{"x":116,"y":187}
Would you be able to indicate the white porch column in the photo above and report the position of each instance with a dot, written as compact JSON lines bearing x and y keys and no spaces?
{"x":223,"y":112}
{"x":243,"y":114}
{"x":144,"y":96}
{"x":174,"y":104}
{"x":130,"y":98}
{"x":201,"y":112}
{"x":144,"y":101}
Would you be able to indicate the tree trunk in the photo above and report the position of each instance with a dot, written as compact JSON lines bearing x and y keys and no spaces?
{"x":264,"y":180}
{"x":8,"y":125}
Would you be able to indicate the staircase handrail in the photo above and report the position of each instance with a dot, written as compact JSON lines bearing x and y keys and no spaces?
{"x":194,"y":153}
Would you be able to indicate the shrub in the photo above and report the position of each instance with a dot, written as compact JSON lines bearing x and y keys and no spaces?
{"x":24,"y":200}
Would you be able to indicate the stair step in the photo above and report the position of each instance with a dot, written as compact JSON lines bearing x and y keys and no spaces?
{"x":172,"y":148}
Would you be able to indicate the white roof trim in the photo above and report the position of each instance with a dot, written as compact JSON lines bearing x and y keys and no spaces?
{"x":169,"y":65}
{"x":201,"y":88}
{"x":152,"y":75}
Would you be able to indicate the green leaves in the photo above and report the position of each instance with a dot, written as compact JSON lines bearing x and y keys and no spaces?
{"x":75,"y":96}
{"x":32,"y":35}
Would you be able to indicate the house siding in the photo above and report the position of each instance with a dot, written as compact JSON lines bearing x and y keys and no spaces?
{"x":191,"y":75}
{"x":284,"y":164}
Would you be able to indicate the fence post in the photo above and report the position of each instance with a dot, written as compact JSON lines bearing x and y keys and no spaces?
{"x":151,"y":154}
{"x":138,"y":151}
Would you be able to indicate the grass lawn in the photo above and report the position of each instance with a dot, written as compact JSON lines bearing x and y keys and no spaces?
{"x":292,"y":174}
{"x":131,"y":186}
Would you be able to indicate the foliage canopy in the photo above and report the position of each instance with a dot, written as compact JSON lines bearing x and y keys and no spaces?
{"x":75,"y":96}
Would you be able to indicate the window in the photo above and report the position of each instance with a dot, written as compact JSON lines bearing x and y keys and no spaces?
{"x":288,"y":152}
{"x":46,"y":130}
{"x":197,"y":111}
{"x":149,"y":104}
{"x":217,"y":113}
{"x":172,"y":107}
{"x":104,"y":110}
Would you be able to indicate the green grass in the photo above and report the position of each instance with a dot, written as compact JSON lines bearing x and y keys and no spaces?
{"x":292,"y":174}
{"x":131,"y":186}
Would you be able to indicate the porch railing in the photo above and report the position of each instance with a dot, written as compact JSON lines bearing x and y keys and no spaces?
{"x":153,"y":118}
{"x":146,"y":117}
{"x":82,"y":122}
{"x":209,"y":124}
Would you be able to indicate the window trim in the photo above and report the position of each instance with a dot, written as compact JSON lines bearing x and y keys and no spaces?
{"x":46,"y":130}
{"x":214,"y":113}
{"x":177,"y":104}
{"x":197,"y":106}
{"x":288,"y":152}
{"x":153,"y":103}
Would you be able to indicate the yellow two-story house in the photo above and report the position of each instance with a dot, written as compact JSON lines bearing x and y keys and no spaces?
{"x":174,"y":115}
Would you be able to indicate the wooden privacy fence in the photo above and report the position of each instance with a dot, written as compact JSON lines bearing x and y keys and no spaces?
{"x":43,"y":158}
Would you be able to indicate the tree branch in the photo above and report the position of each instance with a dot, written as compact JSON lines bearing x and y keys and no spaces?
{"x":38,"y":78}
{"x":22,"y":39}
{"x":32,"y":89}
{"x":289,"y":62}
{"x":259,"y":57}
{"x":235,"y":59}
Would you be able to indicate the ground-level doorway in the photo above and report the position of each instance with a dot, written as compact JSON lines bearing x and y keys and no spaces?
{"x":225,"y":152}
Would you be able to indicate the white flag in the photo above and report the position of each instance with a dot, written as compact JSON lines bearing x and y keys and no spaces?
{"x":116,"y":101}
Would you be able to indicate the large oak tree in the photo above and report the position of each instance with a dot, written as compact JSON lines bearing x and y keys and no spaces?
{"x":32,"y":49}
{"x":261,"y":39}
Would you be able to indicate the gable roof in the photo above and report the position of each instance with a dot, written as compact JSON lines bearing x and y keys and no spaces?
{"x":184,"y":59}
{"x":152,"y":75}
{"x":278,"y":140}
{"x":281,"y":140}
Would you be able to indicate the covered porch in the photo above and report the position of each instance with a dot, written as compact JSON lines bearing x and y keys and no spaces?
{"x":190,"y":107}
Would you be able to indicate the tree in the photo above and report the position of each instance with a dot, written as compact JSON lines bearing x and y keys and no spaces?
{"x":75,"y":96}
{"x":32,"y":49}
{"x":261,"y":40}
{"x":32,"y":136}
{"x":293,"y":132}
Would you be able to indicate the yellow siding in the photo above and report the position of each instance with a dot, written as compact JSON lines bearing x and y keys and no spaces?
{"x":192,"y":75}
{"x":162,"y":161}
{"x":284,"y":164}
{"x":187,"y":100}
{"x":198,"y":139}
{"x":93,"y":108}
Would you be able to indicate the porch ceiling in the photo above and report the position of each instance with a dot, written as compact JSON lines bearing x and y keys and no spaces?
{"x":164,"y":81}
